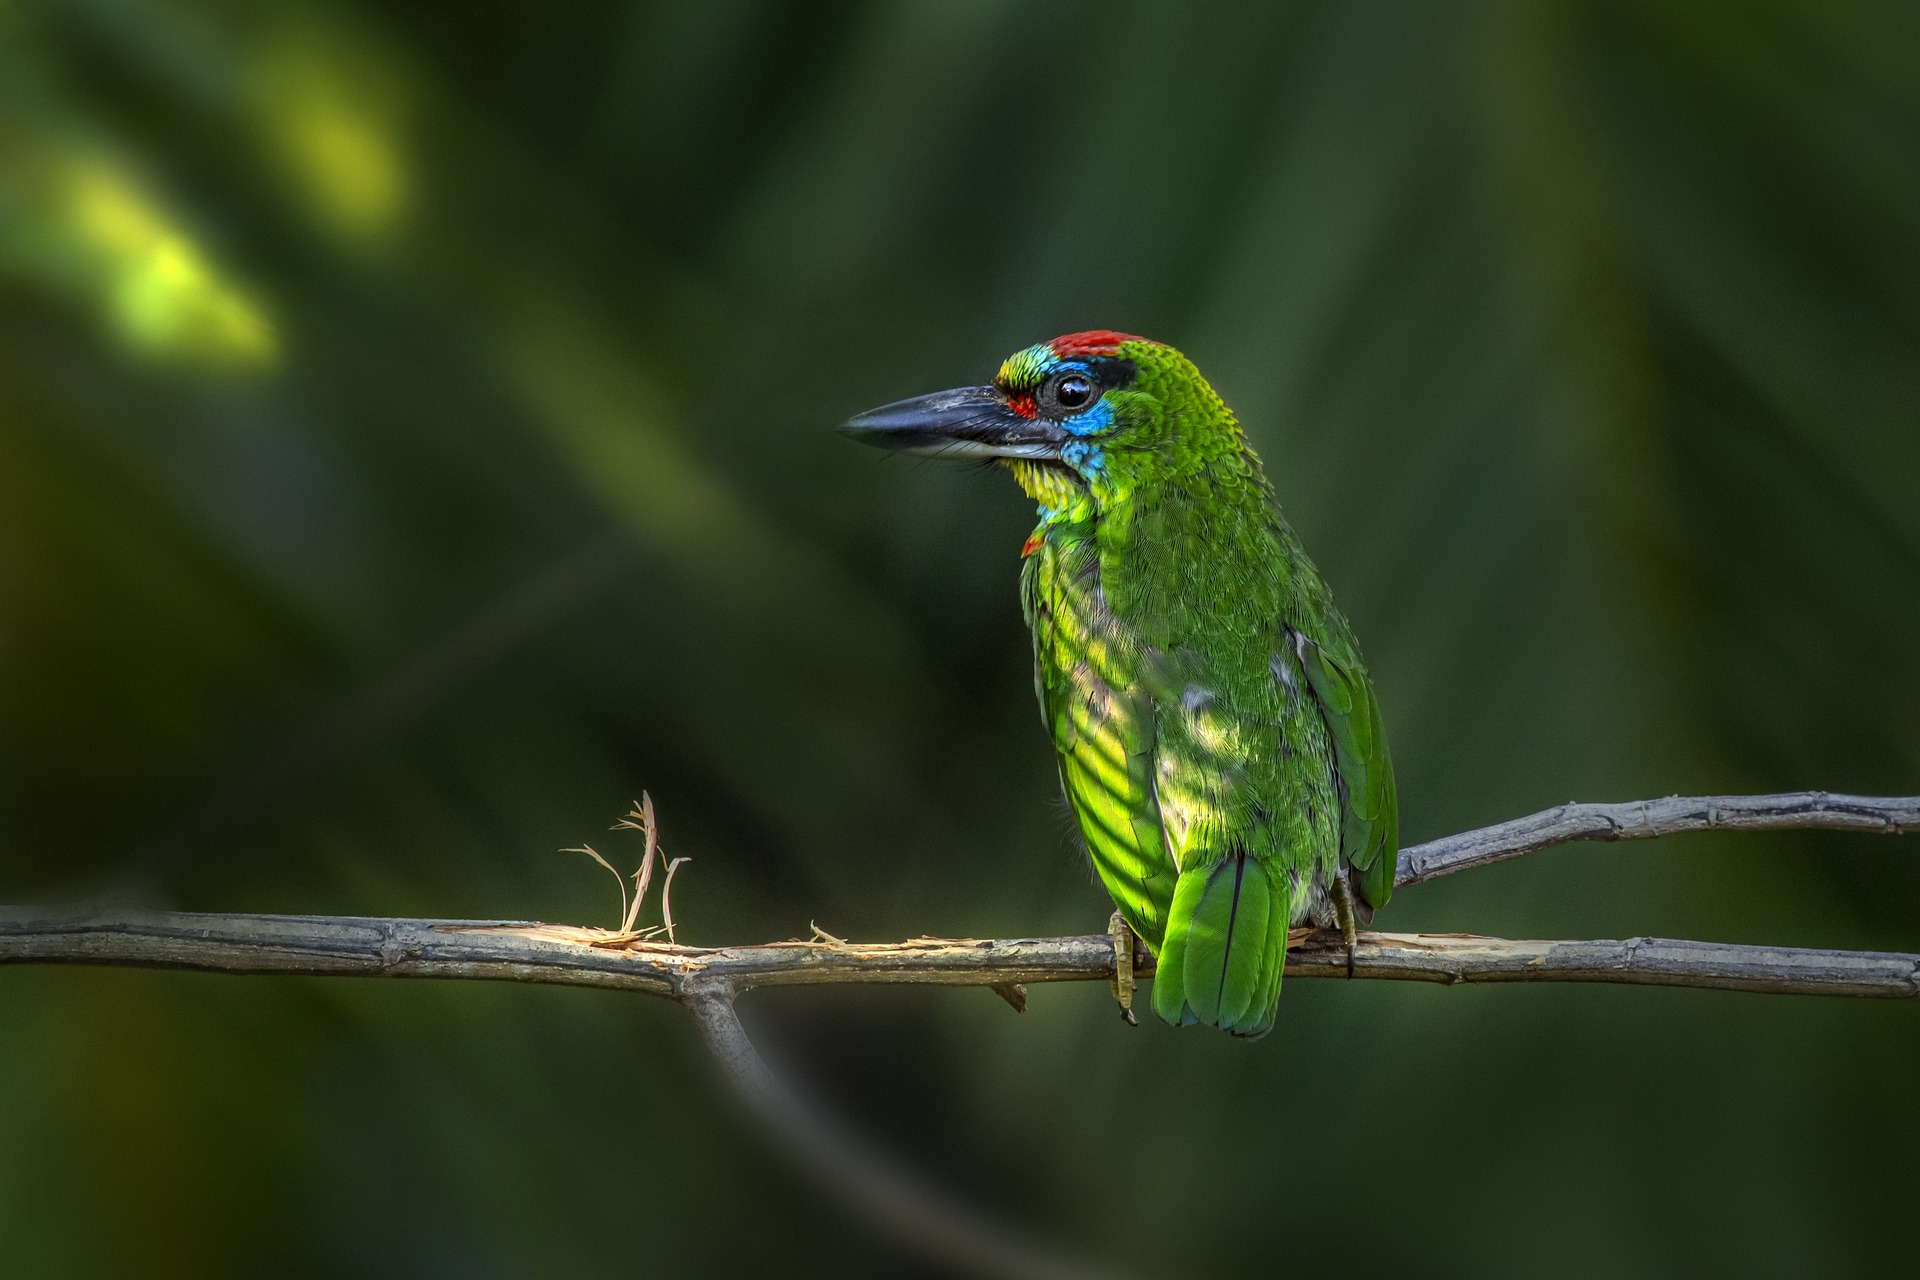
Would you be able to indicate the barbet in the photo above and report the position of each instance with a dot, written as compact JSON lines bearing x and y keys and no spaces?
{"x":1218,"y":737}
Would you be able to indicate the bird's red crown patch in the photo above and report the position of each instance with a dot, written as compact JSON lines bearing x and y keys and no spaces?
{"x":1094,"y":342}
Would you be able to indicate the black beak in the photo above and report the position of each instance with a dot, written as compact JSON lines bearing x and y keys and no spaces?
{"x":971,"y":422}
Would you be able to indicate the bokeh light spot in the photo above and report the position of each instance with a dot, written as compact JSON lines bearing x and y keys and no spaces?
{"x":330,"y":120}
{"x":164,"y":295}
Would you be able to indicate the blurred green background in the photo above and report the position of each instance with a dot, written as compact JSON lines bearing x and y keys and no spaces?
{"x":415,"y":438}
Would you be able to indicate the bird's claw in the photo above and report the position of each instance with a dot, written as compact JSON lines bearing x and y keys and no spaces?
{"x":1122,"y":936}
{"x":1343,"y":912}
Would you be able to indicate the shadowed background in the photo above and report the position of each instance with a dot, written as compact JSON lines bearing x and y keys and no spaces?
{"x":415,"y":440}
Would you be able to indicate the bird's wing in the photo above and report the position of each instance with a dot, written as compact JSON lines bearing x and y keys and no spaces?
{"x":1226,"y":937}
{"x":1100,"y":715}
{"x":1369,"y":808}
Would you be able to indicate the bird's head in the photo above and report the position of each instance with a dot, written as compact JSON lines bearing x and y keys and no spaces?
{"x":1095,"y":414}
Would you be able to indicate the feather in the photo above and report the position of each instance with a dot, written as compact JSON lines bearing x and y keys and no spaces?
{"x":1226,"y":945}
{"x":1264,"y":1007}
{"x":1246,"y":945}
{"x":1170,"y":999}
{"x":1370,"y":812}
{"x":1210,"y":935}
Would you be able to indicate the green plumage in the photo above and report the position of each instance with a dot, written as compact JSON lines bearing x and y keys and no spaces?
{"x":1218,"y":737}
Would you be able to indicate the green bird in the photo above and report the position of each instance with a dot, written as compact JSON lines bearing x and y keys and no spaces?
{"x":1218,"y":737}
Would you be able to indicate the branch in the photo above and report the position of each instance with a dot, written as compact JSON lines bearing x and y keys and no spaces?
{"x":351,"y":946}
{"x":707,"y":979}
{"x":1645,"y":819}
{"x":564,"y":954}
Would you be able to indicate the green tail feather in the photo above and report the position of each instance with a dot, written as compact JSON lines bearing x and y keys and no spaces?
{"x":1169,"y":980}
{"x":1225,"y":949}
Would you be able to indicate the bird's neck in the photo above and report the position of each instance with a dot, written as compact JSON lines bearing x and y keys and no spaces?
{"x":1062,"y":496}
{"x":1171,"y":540}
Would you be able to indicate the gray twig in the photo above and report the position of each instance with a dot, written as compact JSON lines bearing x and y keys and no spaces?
{"x":1645,"y":819}
{"x":889,"y":1196}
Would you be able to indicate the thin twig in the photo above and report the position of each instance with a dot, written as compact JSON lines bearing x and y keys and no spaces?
{"x":626,"y":914}
{"x":890,"y":1196}
{"x":666,"y":896}
{"x":650,"y":831}
{"x":1645,"y":819}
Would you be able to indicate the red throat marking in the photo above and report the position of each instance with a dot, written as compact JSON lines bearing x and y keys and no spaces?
{"x":1094,"y":342}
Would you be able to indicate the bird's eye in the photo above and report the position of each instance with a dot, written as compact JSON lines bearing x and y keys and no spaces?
{"x":1074,"y":391}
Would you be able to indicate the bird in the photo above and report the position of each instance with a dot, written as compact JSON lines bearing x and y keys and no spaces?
{"x":1219,"y":739}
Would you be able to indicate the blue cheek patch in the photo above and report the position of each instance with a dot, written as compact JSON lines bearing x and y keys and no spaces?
{"x":1092,"y":422}
{"x":1083,"y":457}
{"x":1082,"y":453}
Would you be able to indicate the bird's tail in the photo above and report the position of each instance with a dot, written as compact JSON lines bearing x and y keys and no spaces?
{"x":1225,"y":948}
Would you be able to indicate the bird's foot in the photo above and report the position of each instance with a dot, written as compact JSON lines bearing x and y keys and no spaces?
{"x":1343,"y":912}
{"x":1122,"y":935}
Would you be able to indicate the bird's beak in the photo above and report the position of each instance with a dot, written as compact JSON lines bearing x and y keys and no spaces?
{"x":970,"y":422}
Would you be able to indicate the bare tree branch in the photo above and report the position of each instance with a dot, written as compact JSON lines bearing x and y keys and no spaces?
{"x":525,"y":952}
{"x":351,"y":946}
{"x":1645,"y":819}
{"x":707,"y":979}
